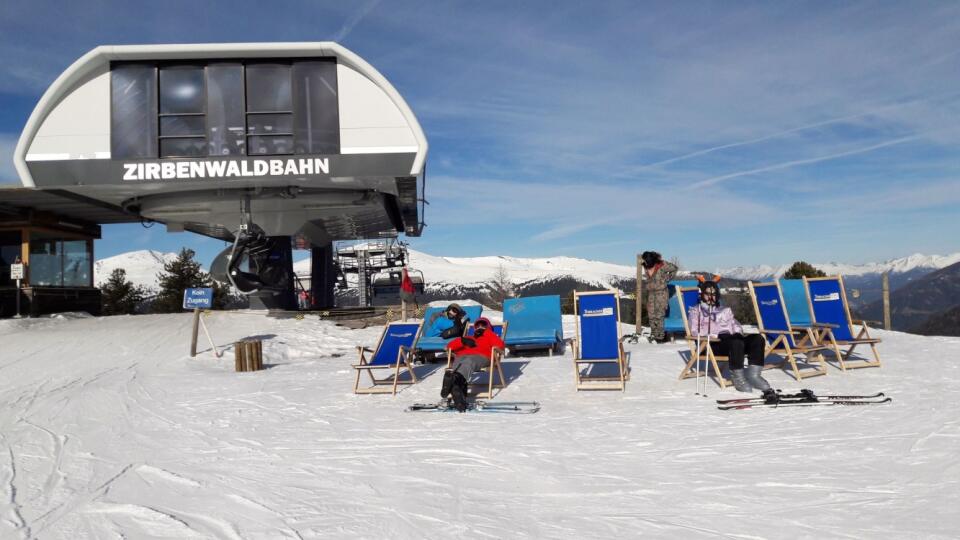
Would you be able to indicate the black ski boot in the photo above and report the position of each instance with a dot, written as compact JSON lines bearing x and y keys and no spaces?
{"x":447,"y":385}
{"x":459,"y":392}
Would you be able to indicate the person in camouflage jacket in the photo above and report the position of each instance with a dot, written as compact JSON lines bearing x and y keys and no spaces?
{"x":658,"y":273}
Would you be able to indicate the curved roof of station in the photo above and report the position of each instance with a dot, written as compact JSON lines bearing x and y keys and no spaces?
{"x":98,"y":60}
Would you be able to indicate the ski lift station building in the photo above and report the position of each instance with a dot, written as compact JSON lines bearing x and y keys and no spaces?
{"x":303,"y":140}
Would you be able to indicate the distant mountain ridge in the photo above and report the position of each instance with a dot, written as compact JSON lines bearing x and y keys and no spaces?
{"x":468,"y":277}
{"x":863,"y":280}
{"x":141,"y":266}
{"x":923,"y":304}
{"x":908,"y":264}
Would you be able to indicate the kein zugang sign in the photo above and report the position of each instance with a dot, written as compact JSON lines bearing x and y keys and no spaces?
{"x":224,"y":168}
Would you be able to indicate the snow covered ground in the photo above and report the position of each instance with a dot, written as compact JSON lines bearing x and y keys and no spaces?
{"x":109,"y":430}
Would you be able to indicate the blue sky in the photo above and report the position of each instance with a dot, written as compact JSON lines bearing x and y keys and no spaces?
{"x":718,"y":133}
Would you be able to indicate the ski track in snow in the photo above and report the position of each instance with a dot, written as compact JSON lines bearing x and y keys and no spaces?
{"x":111,"y":430}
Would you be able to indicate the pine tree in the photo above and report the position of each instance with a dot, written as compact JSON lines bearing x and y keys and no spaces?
{"x":181,"y":274}
{"x":119,"y":296}
{"x":802,"y":269}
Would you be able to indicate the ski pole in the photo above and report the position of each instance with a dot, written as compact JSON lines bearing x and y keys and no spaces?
{"x":697,"y":358}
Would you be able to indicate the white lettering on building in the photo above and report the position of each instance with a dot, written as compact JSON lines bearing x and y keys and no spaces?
{"x":185,"y":170}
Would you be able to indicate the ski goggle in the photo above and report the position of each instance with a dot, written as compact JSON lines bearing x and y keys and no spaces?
{"x":481,"y":324}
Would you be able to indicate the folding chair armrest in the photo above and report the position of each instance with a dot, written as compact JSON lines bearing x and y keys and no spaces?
{"x":825,"y":325}
{"x":783,"y":332}
{"x":361,"y":348}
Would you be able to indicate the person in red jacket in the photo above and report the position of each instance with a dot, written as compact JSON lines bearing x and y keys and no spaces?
{"x":471,"y":354}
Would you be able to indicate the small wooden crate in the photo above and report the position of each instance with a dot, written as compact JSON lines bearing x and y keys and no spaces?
{"x":248,"y":355}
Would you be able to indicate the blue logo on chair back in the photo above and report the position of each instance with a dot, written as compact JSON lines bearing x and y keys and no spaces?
{"x":769,"y":302}
{"x":602,"y":312}
{"x":406,"y":335}
{"x":831,"y":297}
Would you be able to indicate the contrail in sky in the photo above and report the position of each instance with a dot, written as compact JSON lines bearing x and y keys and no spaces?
{"x":354,"y":21}
{"x":788,"y":164}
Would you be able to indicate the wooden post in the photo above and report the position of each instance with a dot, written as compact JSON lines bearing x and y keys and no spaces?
{"x":639,"y":294}
{"x":886,"y":300}
{"x":239,"y":363}
{"x":193,"y":335}
{"x":403,"y":310}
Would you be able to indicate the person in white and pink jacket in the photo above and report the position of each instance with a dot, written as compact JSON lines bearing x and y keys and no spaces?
{"x":708,"y":319}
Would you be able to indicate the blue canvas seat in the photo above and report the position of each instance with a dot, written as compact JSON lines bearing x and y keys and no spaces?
{"x":797,"y":302}
{"x":598,"y":341}
{"x":394,"y":351}
{"x":785,"y":339}
{"x":689,"y":297}
{"x":493,"y":369}
{"x":435,"y":322}
{"x":535,"y":323}
{"x":673,"y":323}
{"x":828,"y":306}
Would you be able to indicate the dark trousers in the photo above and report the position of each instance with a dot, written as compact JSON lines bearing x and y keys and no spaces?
{"x":734,"y":346}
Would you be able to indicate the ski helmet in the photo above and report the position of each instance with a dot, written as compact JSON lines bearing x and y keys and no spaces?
{"x":713,"y":286}
{"x":455,"y":309}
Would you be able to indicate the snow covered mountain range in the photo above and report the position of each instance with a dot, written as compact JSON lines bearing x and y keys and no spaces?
{"x":142,"y":267}
{"x":447,"y":274}
{"x":911,"y":263}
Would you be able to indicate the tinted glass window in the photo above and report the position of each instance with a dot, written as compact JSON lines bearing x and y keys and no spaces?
{"x":9,"y":251}
{"x":225,"y":110}
{"x":268,"y":88}
{"x":316,"y":109}
{"x":270,"y":124}
{"x":46,"y":262}
{"x":181,"y":90}
{"x":180,"y":126}
{"x":76,"y":264}
{"x":183,"y":147}
{"x":263,"y":145}
{"x":133,"y":118}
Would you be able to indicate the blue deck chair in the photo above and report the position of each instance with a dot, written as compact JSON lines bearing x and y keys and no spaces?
{"x":782,"y":338}
{"x":828,"y":304}
{"x":393,"y":351}
{"x":797,"y":302}
{"x":689,"y":297}
{"x":598,"y":340}
{"x":535,"y":323}
{"x":674,"y":321}
{"x":494,"y":369}
{"x":434,"y":322}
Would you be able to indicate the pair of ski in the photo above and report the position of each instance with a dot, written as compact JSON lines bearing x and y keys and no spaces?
{"x":803,"y":398}
{"x":502,"y":407}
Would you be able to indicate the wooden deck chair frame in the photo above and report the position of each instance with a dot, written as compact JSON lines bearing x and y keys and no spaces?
{"x":860,"y":338}
{"x":585,"y":382}
{"x":704,"y":350}
{"x":492,"y":370}
{"x":805,"y":339}
{"x":404,"y":359}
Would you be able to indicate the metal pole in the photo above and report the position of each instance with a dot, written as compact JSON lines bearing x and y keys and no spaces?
{"x":886,"y":301}
{"x":403,"y":310}
{"x":18,"y":298}
{"x":639,"y":295}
